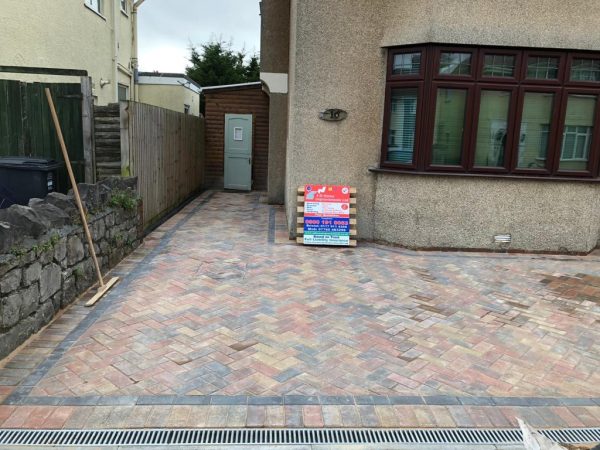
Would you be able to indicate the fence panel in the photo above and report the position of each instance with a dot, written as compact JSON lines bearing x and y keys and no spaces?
{"x":166,"y":153}
{"x":26,"y":127}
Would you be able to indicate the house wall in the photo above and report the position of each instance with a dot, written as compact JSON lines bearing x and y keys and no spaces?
{"x":338,"y":60}
{"x":246,"y":101}
{"x":170,"y":97}
{"x":67,"y":34}
{"x":274,"y":62}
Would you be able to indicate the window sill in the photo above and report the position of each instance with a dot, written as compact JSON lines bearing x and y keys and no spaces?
{"x":482,"y":175}
{"x":95,"y":12}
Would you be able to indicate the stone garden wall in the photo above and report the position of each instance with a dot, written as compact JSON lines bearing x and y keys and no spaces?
{"x":45,"y":261}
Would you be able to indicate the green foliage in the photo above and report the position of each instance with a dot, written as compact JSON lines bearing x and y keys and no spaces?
{"x":18,"y":251}
{"x":216,"y":64}
{"x":118,"y":239}
{"x":253,"y":69}
{"x":37,"y":248}
{"x":123,"y":199}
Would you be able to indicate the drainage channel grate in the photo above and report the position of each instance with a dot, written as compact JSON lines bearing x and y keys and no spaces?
{"x":305,"y":436}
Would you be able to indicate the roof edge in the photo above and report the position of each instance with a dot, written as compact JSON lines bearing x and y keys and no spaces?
{"x":233,"y":87}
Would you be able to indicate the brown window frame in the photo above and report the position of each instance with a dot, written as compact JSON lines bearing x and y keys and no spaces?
{"x":429,"y":80}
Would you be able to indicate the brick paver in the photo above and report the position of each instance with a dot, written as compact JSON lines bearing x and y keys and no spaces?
{"x":221,"y":321}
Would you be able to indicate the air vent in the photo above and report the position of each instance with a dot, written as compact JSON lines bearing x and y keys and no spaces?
{"x":297,"y":436}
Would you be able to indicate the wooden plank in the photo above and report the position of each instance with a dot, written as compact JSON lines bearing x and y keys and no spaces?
{"x":300,"y":219}
{"x":300,"y":209}
{"x":300,"y":230}
{"x":300,"y":199}
{"x":124,"y":138}
{"x":44,"y":71}
{"x":87,"y":123}
{"x":300,"y":240}
{"x":301,"y":190}
{"x":101,"y":291}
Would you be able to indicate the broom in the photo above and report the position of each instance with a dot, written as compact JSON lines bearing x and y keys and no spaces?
{"x":103,"y":288}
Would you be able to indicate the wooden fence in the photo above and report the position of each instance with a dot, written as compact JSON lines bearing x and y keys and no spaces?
{"x":26,"y":127}
{"x":165,"y":150}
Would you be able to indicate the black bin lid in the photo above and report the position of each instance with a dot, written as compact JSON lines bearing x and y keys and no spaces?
{"x":25,"y":163}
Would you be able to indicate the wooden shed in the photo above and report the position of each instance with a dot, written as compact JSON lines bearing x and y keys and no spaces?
{"x":237,"y":136}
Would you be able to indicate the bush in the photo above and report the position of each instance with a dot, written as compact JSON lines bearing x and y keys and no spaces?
{"x":123,"y":199}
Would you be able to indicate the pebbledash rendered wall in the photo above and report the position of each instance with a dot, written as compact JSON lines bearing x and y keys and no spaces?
{"x":338,"y":60}
{"x":45,"y":261}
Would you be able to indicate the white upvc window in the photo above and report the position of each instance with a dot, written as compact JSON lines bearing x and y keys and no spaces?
{"x":124,"y":6}
{"x":96,"y":5}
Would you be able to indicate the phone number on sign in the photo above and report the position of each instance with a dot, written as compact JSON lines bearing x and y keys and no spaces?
{"x":339,"y":223}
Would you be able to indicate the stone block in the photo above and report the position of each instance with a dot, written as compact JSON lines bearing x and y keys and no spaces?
{"x":120,"y":183}
{"x":30,"y":300}
{"x":9,"y":310}
{"x":32,"y":273}
{"x":50,"y":281}
{"x":60,"y":252}
{"x":98,"y":229}
{"x":56,"y":301}
{"x":24,"y":219}
{"x":69,"y":290}
{"x":93,"y":196}
{"x":45,"y":256}
{"x":43,"y":315}
{"x":64,"y":202}
{"x":10,"y":281}
{"x":104,"y":247}
{"x":52,"y":215}
{"x":75,"y":250}
{"x":109,"y":219}
{"x":8,"y":237}
{"x":7,"y":263}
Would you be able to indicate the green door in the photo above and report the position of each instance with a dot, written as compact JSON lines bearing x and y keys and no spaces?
{"x":238,"y":152}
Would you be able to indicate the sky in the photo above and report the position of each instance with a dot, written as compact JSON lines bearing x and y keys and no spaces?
{"x":167,"y":28}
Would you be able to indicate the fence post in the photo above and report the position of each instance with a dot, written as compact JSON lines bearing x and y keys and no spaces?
{"x":87,"y":119}
{"x":126,"y":169}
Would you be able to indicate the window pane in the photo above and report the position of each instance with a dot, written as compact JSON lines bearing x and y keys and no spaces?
{"x":403,"y":115}
{"x":407,"y":64}
{"x":449,"y":126}
{"x":585,"y":70}
{"x":499,"y":66}
{"x":542,"y":67}
{"x":577,"y":134}
{"x":455,"y":63}
{"x":492,"y":128}
{"x":534,"y":134}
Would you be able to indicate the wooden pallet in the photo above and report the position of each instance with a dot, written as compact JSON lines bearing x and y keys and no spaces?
{"x":300,"y":220}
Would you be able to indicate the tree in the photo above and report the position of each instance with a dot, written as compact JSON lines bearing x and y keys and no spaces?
{"x":216,"y":64}
{"x":253,"y":69}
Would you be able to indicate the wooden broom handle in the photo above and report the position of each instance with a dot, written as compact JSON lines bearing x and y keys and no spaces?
{"x":63,"y":147}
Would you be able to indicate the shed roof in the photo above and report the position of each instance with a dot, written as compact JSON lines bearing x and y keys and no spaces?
{"x":165,"y":78}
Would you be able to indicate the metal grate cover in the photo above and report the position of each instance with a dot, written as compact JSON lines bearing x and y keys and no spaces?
{"x":302,"y":436}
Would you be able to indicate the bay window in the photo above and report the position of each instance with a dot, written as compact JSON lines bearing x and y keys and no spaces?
{"x":492,"y":110}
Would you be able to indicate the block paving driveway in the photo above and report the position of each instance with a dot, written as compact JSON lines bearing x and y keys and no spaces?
{"x":221,"y":321}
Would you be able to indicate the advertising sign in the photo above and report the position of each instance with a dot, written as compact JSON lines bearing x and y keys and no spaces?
{"x":326,"y":215}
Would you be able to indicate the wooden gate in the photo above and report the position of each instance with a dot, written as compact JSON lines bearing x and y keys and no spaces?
{"x":26,"y":127}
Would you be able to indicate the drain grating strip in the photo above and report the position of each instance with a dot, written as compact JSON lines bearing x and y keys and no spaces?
{"x":303,"y":436}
